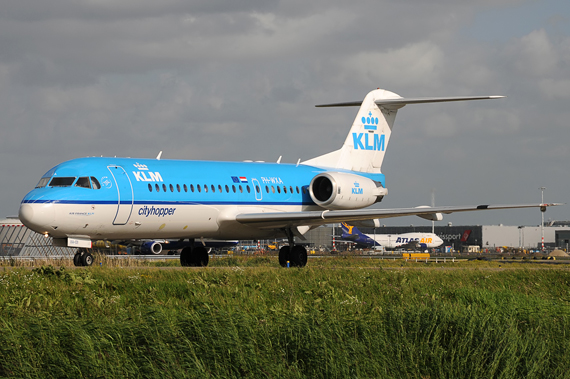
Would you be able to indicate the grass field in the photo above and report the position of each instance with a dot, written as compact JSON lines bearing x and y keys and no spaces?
{"x":245,"y":317}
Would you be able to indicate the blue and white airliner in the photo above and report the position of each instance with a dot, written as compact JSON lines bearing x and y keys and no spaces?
{"x":413,"y":240}
{"x":152,"y":201}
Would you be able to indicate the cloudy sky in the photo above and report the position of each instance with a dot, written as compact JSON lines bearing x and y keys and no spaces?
{"x":237,"y":80}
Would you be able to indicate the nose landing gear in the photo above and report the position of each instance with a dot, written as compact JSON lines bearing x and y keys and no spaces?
{"x":83,"y":258}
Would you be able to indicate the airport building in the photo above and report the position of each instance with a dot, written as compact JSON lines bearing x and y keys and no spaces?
{"x":488,"y":237}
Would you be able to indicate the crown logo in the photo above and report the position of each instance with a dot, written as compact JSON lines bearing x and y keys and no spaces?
{"x":356,"y":184}
{"x":140,"y":166}
{"x":370,"y":123}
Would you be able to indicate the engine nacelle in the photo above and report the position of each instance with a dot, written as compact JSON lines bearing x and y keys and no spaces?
{"x":153,"y":247}
{"x":339,"y":190}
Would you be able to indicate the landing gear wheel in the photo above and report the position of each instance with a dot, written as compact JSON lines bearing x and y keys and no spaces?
{"x":200,"y":257}
{"x":77,"y":259}
{"x":87,"y":259}
{"x":284,"y":256}
{"x":298,"y":256}
{"x":185,"y":256}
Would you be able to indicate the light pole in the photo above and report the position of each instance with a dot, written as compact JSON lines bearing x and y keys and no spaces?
{"x":542,"y":215}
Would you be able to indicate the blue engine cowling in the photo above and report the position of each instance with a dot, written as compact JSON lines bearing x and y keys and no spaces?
{"x":151,"y":247}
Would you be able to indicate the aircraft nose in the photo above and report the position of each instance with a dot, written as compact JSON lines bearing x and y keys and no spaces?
{"x":38,"y":217}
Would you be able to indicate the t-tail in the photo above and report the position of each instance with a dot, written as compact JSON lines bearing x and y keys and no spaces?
{"x":366,"y":143}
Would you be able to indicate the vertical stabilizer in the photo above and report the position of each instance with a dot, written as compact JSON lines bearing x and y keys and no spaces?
{"x":366,"y":143}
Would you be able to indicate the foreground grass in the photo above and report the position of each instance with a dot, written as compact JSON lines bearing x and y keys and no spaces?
{"x":268,"y":322}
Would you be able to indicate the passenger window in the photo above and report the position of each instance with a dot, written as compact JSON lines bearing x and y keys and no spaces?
{"x":171,"y":188}
{"x":278,"y":189}
{"x":62,"y":181}
{"x":192,"y":187}
{"x":83,"y":182}
{"x":199,"y":188}
{"x":205,"y":188}
{"x":213,"y":188}
{"x":149,"y":187}
{"x":164,"y":187}
{"x":257,"y":189}
{"x":234,"y":188}
{"x":157,"y":188}
{"x":220,"y":188}
{"x":272,"y":189}
{"x":297,"y":188}
{"x":284,"y":189}
{"x":178,"y":187}
{"x":240,"y":189}
{"x":303,"y":188}
{"x":248,"y":189}
{"x":95,"y":183}
{"x":185,"y":188}
{"x":227,"y":189}
{"x":42,"y":183}
{"x":290,"y":189}
{"x":266,"y":189}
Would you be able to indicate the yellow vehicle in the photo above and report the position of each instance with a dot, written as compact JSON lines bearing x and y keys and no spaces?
{"x":415,"y":256}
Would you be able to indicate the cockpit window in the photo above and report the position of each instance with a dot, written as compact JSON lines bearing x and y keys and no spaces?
{"x":43,"y":182}
{"x":64,"y":181}
{"x":95,"y":183}
{"x":83,"y":182}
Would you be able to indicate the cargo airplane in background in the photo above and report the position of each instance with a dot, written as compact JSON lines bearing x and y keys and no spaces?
{"x":390,"y":241}
{"x":146,"y":202}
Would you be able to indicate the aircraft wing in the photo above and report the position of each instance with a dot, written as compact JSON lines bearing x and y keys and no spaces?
{"x":279,"y":220}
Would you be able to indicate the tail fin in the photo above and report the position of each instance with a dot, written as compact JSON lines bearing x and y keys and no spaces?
{"x":349,"y":230}
{"x":366,"y":143}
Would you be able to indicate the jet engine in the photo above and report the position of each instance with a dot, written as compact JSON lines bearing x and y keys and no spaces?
{"x":152,"y":247}
{"x":339,"y":190}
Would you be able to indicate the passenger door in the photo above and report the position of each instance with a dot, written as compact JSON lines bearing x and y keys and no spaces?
{"x":125,"y":194}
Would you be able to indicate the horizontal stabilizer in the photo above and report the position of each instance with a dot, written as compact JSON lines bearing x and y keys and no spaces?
{"x":400,"y":102}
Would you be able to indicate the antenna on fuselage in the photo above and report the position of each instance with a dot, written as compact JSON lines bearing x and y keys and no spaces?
{"x":159,"y":155}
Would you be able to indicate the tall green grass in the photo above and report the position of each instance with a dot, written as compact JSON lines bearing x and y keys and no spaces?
{"x":318,"y":322}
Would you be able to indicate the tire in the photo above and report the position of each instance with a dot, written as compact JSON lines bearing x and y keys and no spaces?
{"x":283,"y":256}
{"x":299,"y":256}
{"x":87,"y":259}
{"x":185,"y":256}
{"x":77,"y":259}
{"x":200,"y":257}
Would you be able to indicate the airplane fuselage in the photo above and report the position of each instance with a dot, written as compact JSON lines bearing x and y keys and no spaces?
{"x":394,"y":241}
{"x":150,"y":198}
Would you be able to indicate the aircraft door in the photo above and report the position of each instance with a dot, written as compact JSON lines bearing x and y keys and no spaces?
{"x":125,"y":195}
{"x":257,"y":189}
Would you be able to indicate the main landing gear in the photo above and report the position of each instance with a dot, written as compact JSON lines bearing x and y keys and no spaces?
{"x":82,"y":258}
{"x":192,"y":256}
{"x":296,"y":255}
